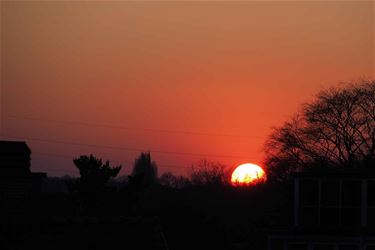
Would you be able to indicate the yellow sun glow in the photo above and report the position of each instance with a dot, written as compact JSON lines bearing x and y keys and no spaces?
{"x":248,"y":173}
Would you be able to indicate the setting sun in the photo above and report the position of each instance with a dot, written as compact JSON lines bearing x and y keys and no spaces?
{"x":248,"y":173}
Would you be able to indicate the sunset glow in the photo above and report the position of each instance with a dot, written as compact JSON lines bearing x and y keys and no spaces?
{"x":214,"y":77}
{"x":248,"y":173}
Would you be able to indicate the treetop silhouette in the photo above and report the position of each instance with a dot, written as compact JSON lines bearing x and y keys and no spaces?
{"x":145,"y":168}
{"x":94,"y":174}
{"x":335,"y":130}
{"x":206,"y":172}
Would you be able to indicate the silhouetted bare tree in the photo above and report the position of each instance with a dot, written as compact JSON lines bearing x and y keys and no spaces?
{"x":208,"y":173}
{"x":94,"y":174}
{"x":337,"y":129}
{"x":146,"y":169}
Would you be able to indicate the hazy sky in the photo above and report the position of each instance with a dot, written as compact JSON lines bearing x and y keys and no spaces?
{"x":181,"y":79}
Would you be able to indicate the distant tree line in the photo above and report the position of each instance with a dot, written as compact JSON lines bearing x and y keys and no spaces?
{"x":95,"y":174}
{"x":97,"y":180}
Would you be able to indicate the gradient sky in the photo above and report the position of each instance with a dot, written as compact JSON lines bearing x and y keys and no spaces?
{"x":181,"y":79}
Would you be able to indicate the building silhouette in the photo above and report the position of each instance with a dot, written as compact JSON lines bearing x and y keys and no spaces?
{"x":331,"y":211}
{"x":19,"y":187}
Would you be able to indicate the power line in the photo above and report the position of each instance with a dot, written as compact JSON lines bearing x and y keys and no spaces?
{"x":116,"y":161}
{"x":63,"y":171}
{"x":68,"y":156}
{"x":131,"y":128}
{"x":129,"y":149}
{"x":69,"y":171}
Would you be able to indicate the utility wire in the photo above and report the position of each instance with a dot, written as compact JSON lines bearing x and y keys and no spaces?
{"x":129,"y":149}
{"x":89,"y":124}
{"x":63,"y":171}
{"x":69,"y":171}
{"x":116,"y":161}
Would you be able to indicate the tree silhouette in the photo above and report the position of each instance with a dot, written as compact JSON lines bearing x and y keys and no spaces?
{"x":337,"y":129}
{"x":146,"y":169}
{"x":208,"y":173}
{"x":170,"y":180}
{"x":94,"y":174}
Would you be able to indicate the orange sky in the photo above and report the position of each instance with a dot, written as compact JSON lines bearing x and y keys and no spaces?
{"x":225,"y":72}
